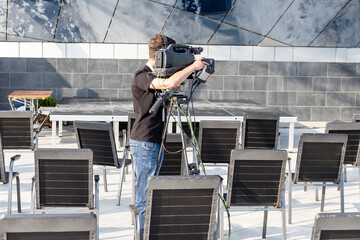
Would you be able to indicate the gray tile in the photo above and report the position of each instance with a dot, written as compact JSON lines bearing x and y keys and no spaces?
{"x":213,"y":83}
{"x":71,"y":65}
{"x":249,"y":15}
{"x":325,"y":114}
{"x":12,"y":64}
{"x":124,"y":94}
{"x":268,"y":83}
{"x":303,"y":113}
{"x":342,"y":69}
{"x":40,"y":65}
{"x":71,"y":92}
{"x":222,"y":95}
{"x":130,"y":66}
{"x":102,"y":93}
{"x":54,"y":80}
{"x":297,"y":83}
{"x":258,"y":97}
{"x":358,"y":69}
{"x":102,"y":65}
{"x":87,"y":80}
{"x":340,"y":31}
{"x":311,"y":99}
{"x":326,"y":84}
{"x":238,"y":83}
{"x":200,"y":94}
{"x":117,"y":81}
{"x":226,"y":68}
{"x":3,"y":8}
{"x":348,"y":113}
{"x":304,"y":20}
{"x":4,"y":80}
{"x":283,"y":68}
{"x":25,"y":80}
{"x":350,"y":84}
{"x":253,"y":68}
{"x":358,"y":99}
{"x":312,"y":69}
{"x":340,"y":99}
{"x":281,"y":98}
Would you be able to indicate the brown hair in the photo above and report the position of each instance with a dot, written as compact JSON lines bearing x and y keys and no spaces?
{"x":157,"y":42}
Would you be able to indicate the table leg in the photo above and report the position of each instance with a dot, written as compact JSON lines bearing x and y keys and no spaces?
{"x":116,"y":133}
{"x":53,"y":128}
{"x":291,"y":137}
{"x":60,"y":128}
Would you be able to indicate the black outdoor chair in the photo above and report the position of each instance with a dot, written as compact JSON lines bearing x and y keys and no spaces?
{"x":99,"y":137}
{"x":48,"y":226}
{"x":260,"y":130}
{"x":63,"y":181}
{"x":319,"y":163}
{"x":180,"y":207}
{"x":173,"y":161}
{"x":256,"y":182}
{"x":217,"y":139}
{"x":336,"y":226}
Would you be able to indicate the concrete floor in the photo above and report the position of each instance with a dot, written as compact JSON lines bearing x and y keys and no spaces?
{"x":115,"y":221}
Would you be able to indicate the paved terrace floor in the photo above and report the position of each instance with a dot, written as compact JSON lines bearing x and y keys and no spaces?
{"x":115,"y":221}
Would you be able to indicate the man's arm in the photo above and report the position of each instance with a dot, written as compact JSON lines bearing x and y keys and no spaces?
{"x":178,"y":77}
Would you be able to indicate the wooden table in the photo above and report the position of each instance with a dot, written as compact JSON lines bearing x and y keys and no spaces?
{"x":27,"y":98}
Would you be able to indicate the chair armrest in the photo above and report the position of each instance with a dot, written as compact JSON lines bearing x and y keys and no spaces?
{"x":134,"y":210}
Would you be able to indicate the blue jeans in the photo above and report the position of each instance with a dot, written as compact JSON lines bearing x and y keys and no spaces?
{"x":145,"y":156}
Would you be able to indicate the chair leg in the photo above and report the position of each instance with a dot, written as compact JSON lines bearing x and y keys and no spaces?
{"x":342,"y":193}
{"x":265,"y":223}
{"x":18,"y":194}
{"x":345,"y":174}
{"x":359,"y":178}
{"x":316,"y":193}
{"x":305,"y":187}
{"x":322,"y":198}
{"x":283,"y":216}
{"x":105,"y":179}
{"x":290,"y":201}
{"x":122,"y":173}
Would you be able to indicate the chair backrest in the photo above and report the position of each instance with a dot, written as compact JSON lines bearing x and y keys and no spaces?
{"x":130,"y":124}
{"x":185,"y":127}
{"x":336,"y":226}
{"x":256,"y":177}
{"x":98,"y":137}
{"x":217,"y":139}
{"x":48,"y":226}
{"x":181,"y":207}
{"x":260,"y":130}
{"x":356,"y":118}
{"x":17,"y":129}
{"x":2,"y":162}
{"x":352,"y":130}
{"x":320,"y":157}
{"x":173,"y":163}
{"x":64,"y":178}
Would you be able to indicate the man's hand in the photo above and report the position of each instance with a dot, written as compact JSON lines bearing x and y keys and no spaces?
{"x":199,"y":64}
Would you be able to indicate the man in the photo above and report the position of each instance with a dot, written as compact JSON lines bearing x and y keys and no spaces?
{"x":147,"y":130}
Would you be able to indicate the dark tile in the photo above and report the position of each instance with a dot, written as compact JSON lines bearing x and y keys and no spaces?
{"x":4,"y":106}
{"x":40,"y":65}
{"x":103,"y":65}
{"x":130,"y":66}
{"x":311,"y":99}
{"x":340,"y":99}
{"x":54,"y":80}
{"x":124,"y":94}
{"x":71,"y":65}
{"x":4,"y":80}
{"x":12,"y":65}
{"x":25,"y":80}
{"x":348,"y":113}
{"x":268,"y":83}
{"x":226,"y":68}
{"x":297,"y":83}
{"x":283,"y":68}
{"x":238,"y":83}
{"x":4,"y":92}
{"x":71,"y":92}
{"x":222,"y":95}
{"x":350,"y":84}
{"x":281,"y":98}
{"x":253,"y":68}
{"x":302,"y":113}
{"x":342,"y":69}
{"x":326,"y":84}
{"x":87,"y":80}
{"x":312,"y":69}
{"x":325,"y":114}
{"x":102,"y":93}
{"x":258,"y":97}
{"x":117,"y":81}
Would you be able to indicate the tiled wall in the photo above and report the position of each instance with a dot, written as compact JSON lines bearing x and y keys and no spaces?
{"x":316,"y":91}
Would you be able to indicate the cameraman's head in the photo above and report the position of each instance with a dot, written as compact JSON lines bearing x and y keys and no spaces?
{"x":157,"y":42}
